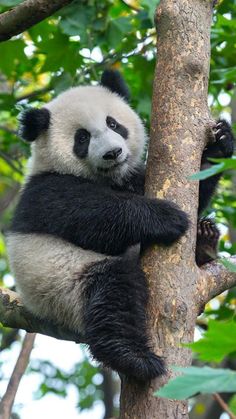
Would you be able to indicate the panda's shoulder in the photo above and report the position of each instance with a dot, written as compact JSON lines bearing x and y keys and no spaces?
{"x":135,"y":183}
{"x":53,"y":180}
{"x":52,"y":185}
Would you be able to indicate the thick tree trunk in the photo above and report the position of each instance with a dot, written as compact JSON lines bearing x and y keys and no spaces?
{"x":179,"y":119}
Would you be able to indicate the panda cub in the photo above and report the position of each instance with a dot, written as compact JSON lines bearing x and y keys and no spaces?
{"x":81,"y":215}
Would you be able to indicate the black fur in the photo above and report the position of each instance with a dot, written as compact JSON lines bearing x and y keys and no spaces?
{"x":207,"y":241}
{"x":81,"y":143}
{"x":115,"y":320}
{"x":33,"y":122}
{"x":119,"y":128}
{"x":113,"y":80}
{"x":108,"y":218}
{"x":207,"y":232}
{"x":223,"y":146}
{"x":94,"y":216}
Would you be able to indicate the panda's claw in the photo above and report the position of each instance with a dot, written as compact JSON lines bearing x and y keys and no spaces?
{"x":223,"y":139}
{"x":207,"y":241}
{"x":216,"y":131}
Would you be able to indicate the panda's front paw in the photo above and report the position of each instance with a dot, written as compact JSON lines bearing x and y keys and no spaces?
{"x":174,"y":225}
{"x":224,"y":138}
{"x":207,"y":241}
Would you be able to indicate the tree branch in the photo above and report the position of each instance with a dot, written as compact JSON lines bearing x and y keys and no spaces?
{"x":34,"y":94}
{"x":13,"y":314}
{"x":214,"y":280}
{"x":27,"y":14}
{"x":10,"y":162}
{"x":8,"y":130}
{"x":224,"y":406}
{"x":8,"y":197}
{"x":20,"y":367}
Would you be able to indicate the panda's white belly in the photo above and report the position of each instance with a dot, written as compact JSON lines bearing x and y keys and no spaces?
{"x":48,"y":277}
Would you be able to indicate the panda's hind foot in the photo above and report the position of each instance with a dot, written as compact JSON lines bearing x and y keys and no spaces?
{"x":207,"y":241}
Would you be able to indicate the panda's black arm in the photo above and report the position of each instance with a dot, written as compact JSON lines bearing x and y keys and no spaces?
{"x":135,"y":183}
{"x":222,"y":147}
{"x":95,"y":217}
{"x":207,"y":188}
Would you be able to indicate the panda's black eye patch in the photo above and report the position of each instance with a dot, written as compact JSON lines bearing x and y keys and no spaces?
{"x":81,"y":142}
{"x":115,"y":126}
{"x":111,"y":122}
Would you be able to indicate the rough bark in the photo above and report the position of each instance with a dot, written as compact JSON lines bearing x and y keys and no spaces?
{"x":179,"y":119}
{"x":27,"y":14}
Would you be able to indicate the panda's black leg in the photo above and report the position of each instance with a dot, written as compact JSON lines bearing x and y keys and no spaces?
{"x":222,"y":145}
{"x":207,"y":241}
{"x":115,"y":319}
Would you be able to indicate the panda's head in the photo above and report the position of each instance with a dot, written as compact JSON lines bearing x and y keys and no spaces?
{"x":87,"y":131}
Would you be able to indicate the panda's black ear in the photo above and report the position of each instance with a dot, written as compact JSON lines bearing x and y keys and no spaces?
{"x":33,"y":122}
{"x":113,"y":80}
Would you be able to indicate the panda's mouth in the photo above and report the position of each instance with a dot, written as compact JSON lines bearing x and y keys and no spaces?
{"x":113,"y":167}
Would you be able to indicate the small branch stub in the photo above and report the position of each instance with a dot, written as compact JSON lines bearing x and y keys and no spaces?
{"x":214,"y":280}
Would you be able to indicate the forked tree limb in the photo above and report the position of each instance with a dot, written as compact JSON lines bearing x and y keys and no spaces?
{"x":13,"y":314}
{"x":214,"y":280}
{"x":19,"y":369}
{"x":27,"y":14}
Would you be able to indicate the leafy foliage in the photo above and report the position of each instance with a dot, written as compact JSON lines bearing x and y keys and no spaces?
{"x":229,"y":265}
{"x":198,"y":380}
{"x":223,"y":164}
{"x":213,"y":348}
{"x":85,"y":377}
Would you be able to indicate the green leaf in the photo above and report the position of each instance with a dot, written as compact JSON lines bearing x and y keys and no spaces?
{"x":204,"y":174}
{"x":229,"y":265}
{"x":150,"y":6}
{"x":198,"y":380}
{"x":77,"y":21}
{"x":14,"y":51}
{"x":232,"y":404}
{"x":223,"y":164}
{"x":218,"y":341}
{"x":10,"y":3}
{"x":118,"y":29}
{"x":229,"y":163}
{"x":62,"y":83}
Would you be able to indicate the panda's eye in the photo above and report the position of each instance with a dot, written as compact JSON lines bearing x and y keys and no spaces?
{"x":82,"y":135}
{"x":111,"y":122}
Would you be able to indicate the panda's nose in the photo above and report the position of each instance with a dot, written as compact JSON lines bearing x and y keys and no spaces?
{"x":112,"y":154}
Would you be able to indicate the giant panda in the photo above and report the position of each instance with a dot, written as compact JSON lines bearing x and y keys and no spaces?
{"x":81,"y":218}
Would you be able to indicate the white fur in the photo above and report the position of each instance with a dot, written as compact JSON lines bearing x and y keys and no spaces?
{"x":48,"y":276}
{"x":87,"y":107}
